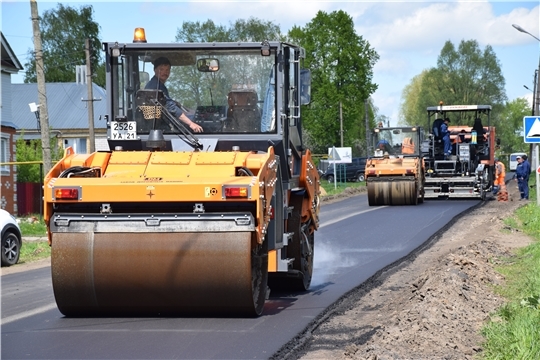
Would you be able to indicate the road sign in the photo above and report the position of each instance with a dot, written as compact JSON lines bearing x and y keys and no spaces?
{"x":538,"y":170}
{"x":340,"y":155}
{"x":333,"y":155}
{"x":531,"y":129}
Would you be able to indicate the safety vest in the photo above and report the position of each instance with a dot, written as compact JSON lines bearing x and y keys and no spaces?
{"x":408,"y":146}
{"x":500,"y":173}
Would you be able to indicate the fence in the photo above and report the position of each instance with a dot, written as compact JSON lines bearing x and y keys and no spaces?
{"x":29,"y":199}
{"x":29,"y":195}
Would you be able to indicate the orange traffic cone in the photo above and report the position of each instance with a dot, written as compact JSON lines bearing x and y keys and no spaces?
{"x":502,"y":195}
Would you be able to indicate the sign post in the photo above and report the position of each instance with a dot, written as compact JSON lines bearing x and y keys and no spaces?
{"x":531,"y":135}
{"x":342,"y":155}
{"x":334,"y":156}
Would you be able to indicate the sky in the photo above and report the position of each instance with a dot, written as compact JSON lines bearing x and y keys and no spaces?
{"x":407,"y":35}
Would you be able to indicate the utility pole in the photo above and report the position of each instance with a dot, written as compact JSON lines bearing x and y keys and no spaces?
{"x":90,"y":100}
{"x":366,"y":104}
{"x":536,"y":102}
{"x":341,"y":123}
{"x":536,"y":112}
{"x":42,"y":94}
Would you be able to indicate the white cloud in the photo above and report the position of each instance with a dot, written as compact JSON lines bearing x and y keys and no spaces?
{"x":284,"y":14}
{"x":424,"y":27}
{"x":527,"y":19}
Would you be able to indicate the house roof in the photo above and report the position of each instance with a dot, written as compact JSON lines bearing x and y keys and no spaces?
{"x":10,"y":63}
{"x":9,"y":124}
{"x":65,"y":107}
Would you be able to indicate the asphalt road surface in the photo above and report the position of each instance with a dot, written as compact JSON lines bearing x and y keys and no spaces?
{"x":354,"y":242}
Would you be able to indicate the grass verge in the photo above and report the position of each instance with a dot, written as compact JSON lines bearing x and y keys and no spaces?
{"x":33,"y":251}
{"x":32,"y":225}
{"x":513,"y":332}
{"x":334,"y":189}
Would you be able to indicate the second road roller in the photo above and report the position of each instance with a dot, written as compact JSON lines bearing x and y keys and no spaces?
{"x":395,"y":172}
{"x":206,"y":193}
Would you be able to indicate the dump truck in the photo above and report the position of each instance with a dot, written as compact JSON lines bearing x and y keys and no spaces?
{"x":395,"y":172}
{"x":468,"y":172}
{"x":172,"y":222}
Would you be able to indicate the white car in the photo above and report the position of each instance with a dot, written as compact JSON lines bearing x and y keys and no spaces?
{"x":11,"y":238}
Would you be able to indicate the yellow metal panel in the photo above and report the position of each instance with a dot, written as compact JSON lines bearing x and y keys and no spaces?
{"x":215,"y":158}
{"x":272,"y":261}
{"x":129,"y":157}
{"x":77,"y":160}
{"x":127,"y":164}
{"x":125,"y":170}
{"x":189,"y":172}
{"x":255,"y":161}
{"x":171,"y":158}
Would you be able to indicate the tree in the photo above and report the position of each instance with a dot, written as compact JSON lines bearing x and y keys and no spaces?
{"x":28,"y":151}
{"x":465,"y":76}
{"x":411,"y":112}
{"x":341,"y":63}
{"x":510,"y":127}
{"x":255,"y":30}
{"x":252,"y":29}
{"x":470,"y":75}
{"x":63,"y":34}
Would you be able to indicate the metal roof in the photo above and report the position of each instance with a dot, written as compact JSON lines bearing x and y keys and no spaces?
{"x":64,"y":105}
{"x":10,"y":63}
{"x":9,"y":124}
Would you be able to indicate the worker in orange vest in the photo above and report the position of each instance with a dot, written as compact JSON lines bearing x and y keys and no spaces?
{"x":408,"y":146}
{"x":499,"y":186}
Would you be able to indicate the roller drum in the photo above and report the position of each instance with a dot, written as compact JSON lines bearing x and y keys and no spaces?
{"x":112,"y":274}
{"x":392,"y":192}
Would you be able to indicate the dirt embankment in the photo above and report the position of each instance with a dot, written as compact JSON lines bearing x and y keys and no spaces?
{"x":431,"y":307}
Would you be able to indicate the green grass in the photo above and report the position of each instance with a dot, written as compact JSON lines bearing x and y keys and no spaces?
{"x":338,"y":188}
{"x":34,"y":250}
{"x":513,"y":332}
{"x":35,"y":228}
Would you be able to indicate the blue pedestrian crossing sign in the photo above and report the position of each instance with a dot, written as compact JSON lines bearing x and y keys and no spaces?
{"x":531,"y":129}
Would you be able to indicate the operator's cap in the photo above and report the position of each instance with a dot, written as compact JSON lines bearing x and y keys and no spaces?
{"x":496,"y":159}
{"x":518,"y":157}
{"x":161,"y":61}
{"x":447,"y":119}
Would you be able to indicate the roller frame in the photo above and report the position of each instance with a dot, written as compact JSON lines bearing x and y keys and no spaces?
{"x":155,"y":223}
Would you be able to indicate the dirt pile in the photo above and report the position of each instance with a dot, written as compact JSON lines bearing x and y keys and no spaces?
{"x":429,"y":308}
